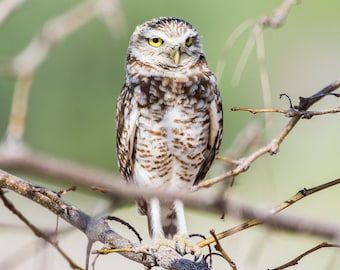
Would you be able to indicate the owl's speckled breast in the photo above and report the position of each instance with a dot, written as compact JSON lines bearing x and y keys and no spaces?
{"x":173,"y":129}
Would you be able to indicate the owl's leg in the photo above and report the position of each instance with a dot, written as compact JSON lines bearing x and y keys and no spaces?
{"x":181,"y":238}
{"x":154,"y":216}
{"x":180,"y":241}
{"x":156,"y":228}
{"x":181,"y":222}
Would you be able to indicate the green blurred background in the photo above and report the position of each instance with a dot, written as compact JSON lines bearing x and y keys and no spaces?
{"x":72,"y":107}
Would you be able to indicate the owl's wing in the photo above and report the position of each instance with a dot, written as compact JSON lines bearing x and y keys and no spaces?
{"x":215,"y":135}
{"x":126,"y":124}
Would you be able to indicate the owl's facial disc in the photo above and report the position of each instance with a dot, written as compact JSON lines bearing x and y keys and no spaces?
{"x":166,"y":44}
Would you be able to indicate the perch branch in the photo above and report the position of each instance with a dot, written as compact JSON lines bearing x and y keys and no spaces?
{"x":94,"y":229}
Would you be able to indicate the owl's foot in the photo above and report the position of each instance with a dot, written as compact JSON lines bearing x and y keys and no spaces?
{"x":184,"y":245}
{"x":180,"y":243}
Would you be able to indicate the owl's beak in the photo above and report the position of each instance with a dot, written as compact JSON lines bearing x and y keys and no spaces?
{"x":175,"y":54}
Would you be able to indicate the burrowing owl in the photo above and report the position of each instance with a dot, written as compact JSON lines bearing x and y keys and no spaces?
{"x":169,"y":118}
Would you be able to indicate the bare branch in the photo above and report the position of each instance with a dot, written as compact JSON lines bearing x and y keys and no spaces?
{"x":7,"y":7}
{"x":298,"y":258}
{"x":255,"y":111}
{"x":56,"y":30}
{"x":273,"y":146}
{"x":17,"y":118}
{"x":259,"y":216}
{"x":219,"y":248}
{"x":119,"y":191}
{"x":279,"y":16}
{"x":37,"y":231}
{"x":25,"y":64}
{"x":276,"y":20}
{"x":20,"y":156}
{"x":95,"y":229}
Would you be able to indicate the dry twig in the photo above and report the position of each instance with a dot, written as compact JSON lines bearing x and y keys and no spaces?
{"x":267,"y":218}
{"x":273,"y":146}
{"x":289,"y":112}
{"x":37,"y":231}
{"x":25,"y":64}
{"x":7,"y":7}
{"x":255,"y":38}
{"x":296,"y":260}
{"x":219,"y":248}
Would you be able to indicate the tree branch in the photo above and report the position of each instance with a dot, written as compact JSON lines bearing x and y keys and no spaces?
{"x":37,"y":231}
{"x":298,"y":258}
{"x":273,"y":146}
{"x":96,"y":229}
{"x":7,"y":7}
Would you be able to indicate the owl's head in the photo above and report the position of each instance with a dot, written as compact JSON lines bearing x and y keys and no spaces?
{"x":167,"y":43}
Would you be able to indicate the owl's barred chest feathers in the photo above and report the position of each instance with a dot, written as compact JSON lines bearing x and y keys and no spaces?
{"x":172,"y":128}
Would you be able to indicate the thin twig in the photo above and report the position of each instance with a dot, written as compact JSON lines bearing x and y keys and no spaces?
{"x":16,"y":123}
{"x":273,"y":146}
{"x":37,"y":231}
{"x":56,"y":30}
{"x":265,"y":218}
{"x":255,"y":111}
{"x":279,"y":16}
{"x":219,"y":248}
{"x":244,"y":26}
{"x":296,"y":260}
{"x":25,"y":64}
{"x":276,"y":20}
{"x":65,"y":190}
{"x":289,"y":112}
{"x":140,"y":239}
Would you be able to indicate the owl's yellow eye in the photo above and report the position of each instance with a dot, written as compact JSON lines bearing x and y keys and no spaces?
{"x":155,"y":42}
{"x":188,"y":41}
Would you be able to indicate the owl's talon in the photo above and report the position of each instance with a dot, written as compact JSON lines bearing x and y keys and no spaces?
{"x":184,"y":246}
{"x":152,"y":251}
{"x":178,"y":249}
{"x":197,"y":257}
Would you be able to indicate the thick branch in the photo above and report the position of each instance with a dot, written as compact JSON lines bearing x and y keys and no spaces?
{"x":119,"y":191}
{"x":18,"y":156}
